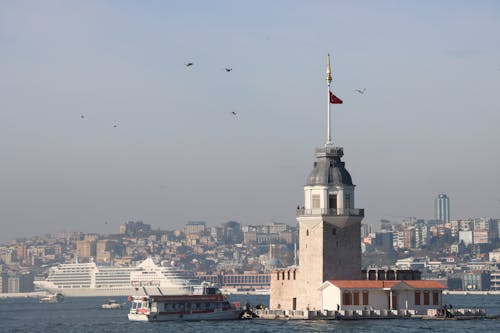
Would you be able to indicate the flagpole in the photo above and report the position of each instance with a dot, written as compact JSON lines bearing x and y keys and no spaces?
{"x":328,"y":80}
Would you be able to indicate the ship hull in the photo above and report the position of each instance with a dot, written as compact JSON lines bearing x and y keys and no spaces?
{"x":88,"y":292}
{"x":220,"y":315}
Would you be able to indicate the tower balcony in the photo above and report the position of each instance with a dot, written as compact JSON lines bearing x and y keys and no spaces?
{"x":331,"y":212}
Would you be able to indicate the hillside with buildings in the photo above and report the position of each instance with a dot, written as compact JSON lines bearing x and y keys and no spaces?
{"x":463,"y":253}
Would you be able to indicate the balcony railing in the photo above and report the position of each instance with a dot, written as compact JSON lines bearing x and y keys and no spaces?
{"x":331,"y":211}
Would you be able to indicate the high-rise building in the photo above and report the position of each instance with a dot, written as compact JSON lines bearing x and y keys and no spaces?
{"x":85,"y":249}
{"x":104,"y":250}
{"x":195,"y":227}
{"x":442,"y":208}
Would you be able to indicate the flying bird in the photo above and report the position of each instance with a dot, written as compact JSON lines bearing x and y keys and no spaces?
{"x":189,"y":64}
{"x":82,"y":116}
{"x":228,"y":69}
{"x":233,"y":113}
{"x":361,"y":91}
{"x":115,"y":125}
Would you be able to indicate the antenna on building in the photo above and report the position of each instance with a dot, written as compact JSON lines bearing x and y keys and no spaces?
{"x":329,"y":81}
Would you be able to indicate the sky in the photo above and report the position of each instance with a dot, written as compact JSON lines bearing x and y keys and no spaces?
{"x":102,"y":123}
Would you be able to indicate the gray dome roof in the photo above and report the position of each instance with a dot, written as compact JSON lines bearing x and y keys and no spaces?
{"x":329,"y":169}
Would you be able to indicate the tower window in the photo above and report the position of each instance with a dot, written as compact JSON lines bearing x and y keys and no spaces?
{"x":315,"y":201}
{"x":347,"y":202}
{"x":307,"y":232}
{"x":332,"y":201}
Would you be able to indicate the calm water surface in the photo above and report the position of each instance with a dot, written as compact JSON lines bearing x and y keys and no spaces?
{"x":83,"y":314}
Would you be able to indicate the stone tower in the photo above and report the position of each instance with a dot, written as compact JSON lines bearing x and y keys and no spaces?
{"x":329,"y":225}
{"x":329,"y":230}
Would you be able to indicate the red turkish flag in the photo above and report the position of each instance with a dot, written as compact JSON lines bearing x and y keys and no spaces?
{"x":334,"y":99}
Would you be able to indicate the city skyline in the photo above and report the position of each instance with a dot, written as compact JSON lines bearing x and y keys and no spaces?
{"x":102,"y":122}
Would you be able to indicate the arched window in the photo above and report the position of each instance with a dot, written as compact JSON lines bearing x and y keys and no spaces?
{"x":417,"y":297}
{"x":355,"y":298}
{"x":435,"y":298}
{"x":365,"y":297}
{"x":426,"y":297}
{"x":347,"y":298}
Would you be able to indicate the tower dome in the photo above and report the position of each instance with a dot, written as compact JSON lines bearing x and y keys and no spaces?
{"x":329,"y":169}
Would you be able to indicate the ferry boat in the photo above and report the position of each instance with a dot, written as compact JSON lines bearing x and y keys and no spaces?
{"x":205,"y":303}
{"x":89,"y":279}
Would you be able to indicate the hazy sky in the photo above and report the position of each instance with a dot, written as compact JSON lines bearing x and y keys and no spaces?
{"x":427,"y":123}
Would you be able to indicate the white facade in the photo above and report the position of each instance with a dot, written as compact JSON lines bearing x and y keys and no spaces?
{"x":466,"y":237}
{"x":418,"y":295}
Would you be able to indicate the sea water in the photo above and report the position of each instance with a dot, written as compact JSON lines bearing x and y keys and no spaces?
{"x":83,"y":314}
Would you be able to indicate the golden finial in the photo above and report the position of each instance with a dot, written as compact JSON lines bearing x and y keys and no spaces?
{"x":328,"y":70}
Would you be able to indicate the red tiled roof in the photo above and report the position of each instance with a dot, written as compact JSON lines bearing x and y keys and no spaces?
{"x":365,"y":284}
{"x":378,"y":284}
{"x":424,"y":284}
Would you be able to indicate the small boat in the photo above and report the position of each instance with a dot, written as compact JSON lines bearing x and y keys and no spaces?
{"x":55,"y":298}
{"x":111,"y":305}
{"x":205,"y":304}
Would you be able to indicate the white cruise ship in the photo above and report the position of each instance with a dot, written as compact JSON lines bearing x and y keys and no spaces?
{"x":88,"y":279}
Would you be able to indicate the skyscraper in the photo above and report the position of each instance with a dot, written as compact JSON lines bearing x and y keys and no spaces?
{"x":442,"y":208}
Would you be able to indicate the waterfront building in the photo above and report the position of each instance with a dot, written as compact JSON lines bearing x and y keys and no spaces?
{"x":248,"y":281}
{"x":3,"y":281}
{"x":328,"y":276}
{"x":476,"y":280}
{"x":19,"y":282}
{"x":417,"y":295}
{"x":329,"y":232}
{"x":442,"y":208}
{"x":495,"y":281}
